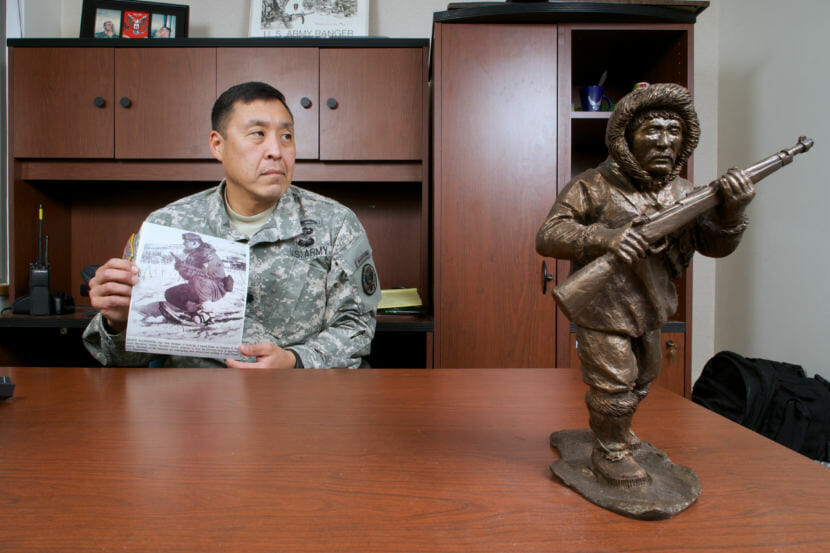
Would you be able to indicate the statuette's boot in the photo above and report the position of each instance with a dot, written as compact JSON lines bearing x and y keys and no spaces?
{"x":612,"y":457}
{"x":633,"y":440}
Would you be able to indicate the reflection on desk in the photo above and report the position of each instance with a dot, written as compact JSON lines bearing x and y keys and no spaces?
{"x":368,"y":460}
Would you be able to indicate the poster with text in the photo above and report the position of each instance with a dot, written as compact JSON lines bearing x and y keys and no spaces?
{"x":309,"y":18}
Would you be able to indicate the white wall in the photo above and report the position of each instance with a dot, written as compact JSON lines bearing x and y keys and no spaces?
{"x":41,"y":14}
{"x":705,"y":88}
{"x":772,"y":294}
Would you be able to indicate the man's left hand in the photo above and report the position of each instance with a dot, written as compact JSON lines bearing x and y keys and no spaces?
{"x":737,"y":191}
{"x":268,"y":356}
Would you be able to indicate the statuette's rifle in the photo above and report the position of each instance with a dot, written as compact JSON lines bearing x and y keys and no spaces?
{"x":576,"y":293}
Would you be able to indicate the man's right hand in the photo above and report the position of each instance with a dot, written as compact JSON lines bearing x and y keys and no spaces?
{"x":110,"y":291}
{"x":626,"y":243}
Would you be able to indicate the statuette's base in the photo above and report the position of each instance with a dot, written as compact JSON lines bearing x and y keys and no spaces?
{"x":671,"y":488}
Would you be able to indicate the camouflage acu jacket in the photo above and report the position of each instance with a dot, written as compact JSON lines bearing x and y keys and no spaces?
{"x":312,"y":285}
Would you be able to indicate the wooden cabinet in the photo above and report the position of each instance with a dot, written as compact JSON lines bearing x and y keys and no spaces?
{"x":495,"y":180}
{"x":99,"y":170}
{"x":507,"y":138}
{"x":164,"y":99}
{"x":672,"y":375}
{"x":369,"y":100}
{"x":52,"y":98}
{"x":294,"y":71}
{"x":125,"y":103}
{"x":348,"y":104}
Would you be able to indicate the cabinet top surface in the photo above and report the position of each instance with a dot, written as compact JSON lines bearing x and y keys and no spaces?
{"x":358,"y":42}
{"x":555,"y":11}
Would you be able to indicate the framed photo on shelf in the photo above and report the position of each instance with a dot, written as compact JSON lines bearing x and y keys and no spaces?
{"x":309,"y":18}
{"x":133,"y":19}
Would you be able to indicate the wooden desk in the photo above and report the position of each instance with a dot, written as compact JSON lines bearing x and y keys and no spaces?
{"x":372,"y":460}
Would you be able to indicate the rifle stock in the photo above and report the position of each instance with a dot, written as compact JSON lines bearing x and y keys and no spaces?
{"x":574,"y":296}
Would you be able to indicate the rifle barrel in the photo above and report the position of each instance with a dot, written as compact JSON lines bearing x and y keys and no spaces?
{"x":706,"y":198}
{"x":769,"y":165}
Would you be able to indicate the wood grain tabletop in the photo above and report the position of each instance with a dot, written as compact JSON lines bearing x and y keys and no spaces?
{"x":365,"y":460}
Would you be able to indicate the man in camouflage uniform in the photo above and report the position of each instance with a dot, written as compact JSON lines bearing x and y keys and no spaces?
{"x":651,"y":134}
{"x":313,"y":290}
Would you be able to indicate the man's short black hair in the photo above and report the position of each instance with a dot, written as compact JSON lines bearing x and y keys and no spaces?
{"x":245,"y":93}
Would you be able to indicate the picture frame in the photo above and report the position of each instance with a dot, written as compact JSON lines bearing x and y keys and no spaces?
{"x":309,"y":18}
{"x":133,"y":19}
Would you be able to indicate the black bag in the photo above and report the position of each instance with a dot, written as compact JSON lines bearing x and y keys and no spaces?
{"x":773,"y":398}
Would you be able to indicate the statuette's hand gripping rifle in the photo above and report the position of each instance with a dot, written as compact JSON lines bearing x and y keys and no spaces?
{"x":577,"y":292}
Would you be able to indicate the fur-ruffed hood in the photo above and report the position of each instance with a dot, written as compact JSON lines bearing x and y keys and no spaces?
{"x":662,"y":96}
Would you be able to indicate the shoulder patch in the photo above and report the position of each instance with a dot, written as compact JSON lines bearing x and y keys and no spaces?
{"x":362,"y":258}
{"x":369,"y":279}
{"x":355,"y":255}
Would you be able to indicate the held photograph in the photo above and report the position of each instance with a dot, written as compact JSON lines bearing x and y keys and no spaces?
{"x":133,"y":19}
{"x":191,"y":295}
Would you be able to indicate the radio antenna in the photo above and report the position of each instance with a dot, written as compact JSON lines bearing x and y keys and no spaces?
{"x":40,"y":236}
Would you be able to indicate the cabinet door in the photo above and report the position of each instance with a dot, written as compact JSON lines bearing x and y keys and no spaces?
{"x":371,"y":104}
{"x":54,"y":111}
{"x":169,"y":92}
{"x":495,"y":157}
{"x":673,"y":375}
{"x":293,"y":71}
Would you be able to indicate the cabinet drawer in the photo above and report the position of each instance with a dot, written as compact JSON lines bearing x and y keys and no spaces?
{"x":53,"y":97}
{"x":371,"y":104}
{"x":293,"y":71}
{"x":170,"y":93}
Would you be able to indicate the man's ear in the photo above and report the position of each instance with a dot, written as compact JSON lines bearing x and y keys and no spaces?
{"x":217,"y":145}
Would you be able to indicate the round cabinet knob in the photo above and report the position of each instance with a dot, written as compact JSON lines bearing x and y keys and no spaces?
{"x":671,"y":345}
{"x":99,"y":102}
{"x":125,"y":102}
{"x":546,"y":277}
{"x":305,"y":102}
{"x":332,"y":103}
